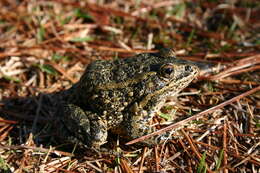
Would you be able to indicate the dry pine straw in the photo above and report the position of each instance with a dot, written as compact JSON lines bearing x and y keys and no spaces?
{"x":167,"y":156}
{"x":223,"y":102}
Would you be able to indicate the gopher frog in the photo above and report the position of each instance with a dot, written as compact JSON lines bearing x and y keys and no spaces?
{"x":123,"y":95}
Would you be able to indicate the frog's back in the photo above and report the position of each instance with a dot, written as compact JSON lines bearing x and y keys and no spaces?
{"x":103,"y":72}
{"x":105,"y":85}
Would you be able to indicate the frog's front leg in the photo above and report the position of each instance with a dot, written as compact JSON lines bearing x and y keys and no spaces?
{"x":86,"y":126}
{"x":139,"y":124}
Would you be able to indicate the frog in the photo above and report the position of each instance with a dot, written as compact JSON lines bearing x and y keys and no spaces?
{"x":123,"y":95}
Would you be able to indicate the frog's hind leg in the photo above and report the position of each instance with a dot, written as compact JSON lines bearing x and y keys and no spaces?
{"x":86,"y":126}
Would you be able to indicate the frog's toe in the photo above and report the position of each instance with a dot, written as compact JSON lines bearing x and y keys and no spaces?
{"x":98,"y":133}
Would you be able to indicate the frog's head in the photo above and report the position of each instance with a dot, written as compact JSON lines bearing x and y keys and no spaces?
{"x":167,"y":77}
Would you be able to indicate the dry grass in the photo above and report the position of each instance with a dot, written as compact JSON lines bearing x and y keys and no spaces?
{"x":45,"y":46}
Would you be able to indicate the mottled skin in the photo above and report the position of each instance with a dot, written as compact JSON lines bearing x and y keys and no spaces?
{"x":123,"y":95}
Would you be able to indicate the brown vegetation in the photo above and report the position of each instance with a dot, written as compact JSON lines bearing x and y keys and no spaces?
{"x":46,"y":44}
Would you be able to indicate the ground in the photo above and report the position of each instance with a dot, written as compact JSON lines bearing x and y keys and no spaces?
{"x":46,"y":45}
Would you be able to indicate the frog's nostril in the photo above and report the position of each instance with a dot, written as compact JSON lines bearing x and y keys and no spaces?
{"x":188,"y":68}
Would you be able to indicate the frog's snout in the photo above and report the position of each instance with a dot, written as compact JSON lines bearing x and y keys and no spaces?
{"x":189,"y":70}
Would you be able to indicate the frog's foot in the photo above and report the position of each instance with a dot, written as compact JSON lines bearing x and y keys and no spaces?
{"x":138,"y":125}
{"x":144,"y":130}
{"x":87,"y":127}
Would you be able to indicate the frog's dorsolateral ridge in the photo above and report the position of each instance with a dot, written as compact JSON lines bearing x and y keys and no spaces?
{"x":123,"y":95}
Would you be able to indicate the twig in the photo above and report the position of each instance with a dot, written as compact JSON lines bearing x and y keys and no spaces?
{"x":240,"y":66}
{"x":142,"y":160}
{"x":193,"y":147}
{"x":114,"y":49}
{"x":14,"y":147}
{"x":124,"y":166}
{"x":8,"y":121}
{"x":6,"y":129}
{"x":93,"y":166}
{"x":157,"y":159}
{"x":225,"y":146}
{"x":62,"y":71}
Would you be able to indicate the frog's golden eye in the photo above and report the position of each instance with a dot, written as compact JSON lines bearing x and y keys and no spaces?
{"x":167,"y":71}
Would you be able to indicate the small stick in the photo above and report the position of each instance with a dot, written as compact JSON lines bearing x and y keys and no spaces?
{"x":142,"y":160}
{"x":157,"y":159}
{"x":37,"y":149}
{"x":225,"y":146}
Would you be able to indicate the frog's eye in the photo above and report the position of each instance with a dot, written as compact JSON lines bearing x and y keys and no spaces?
{"x":167,"y":71}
